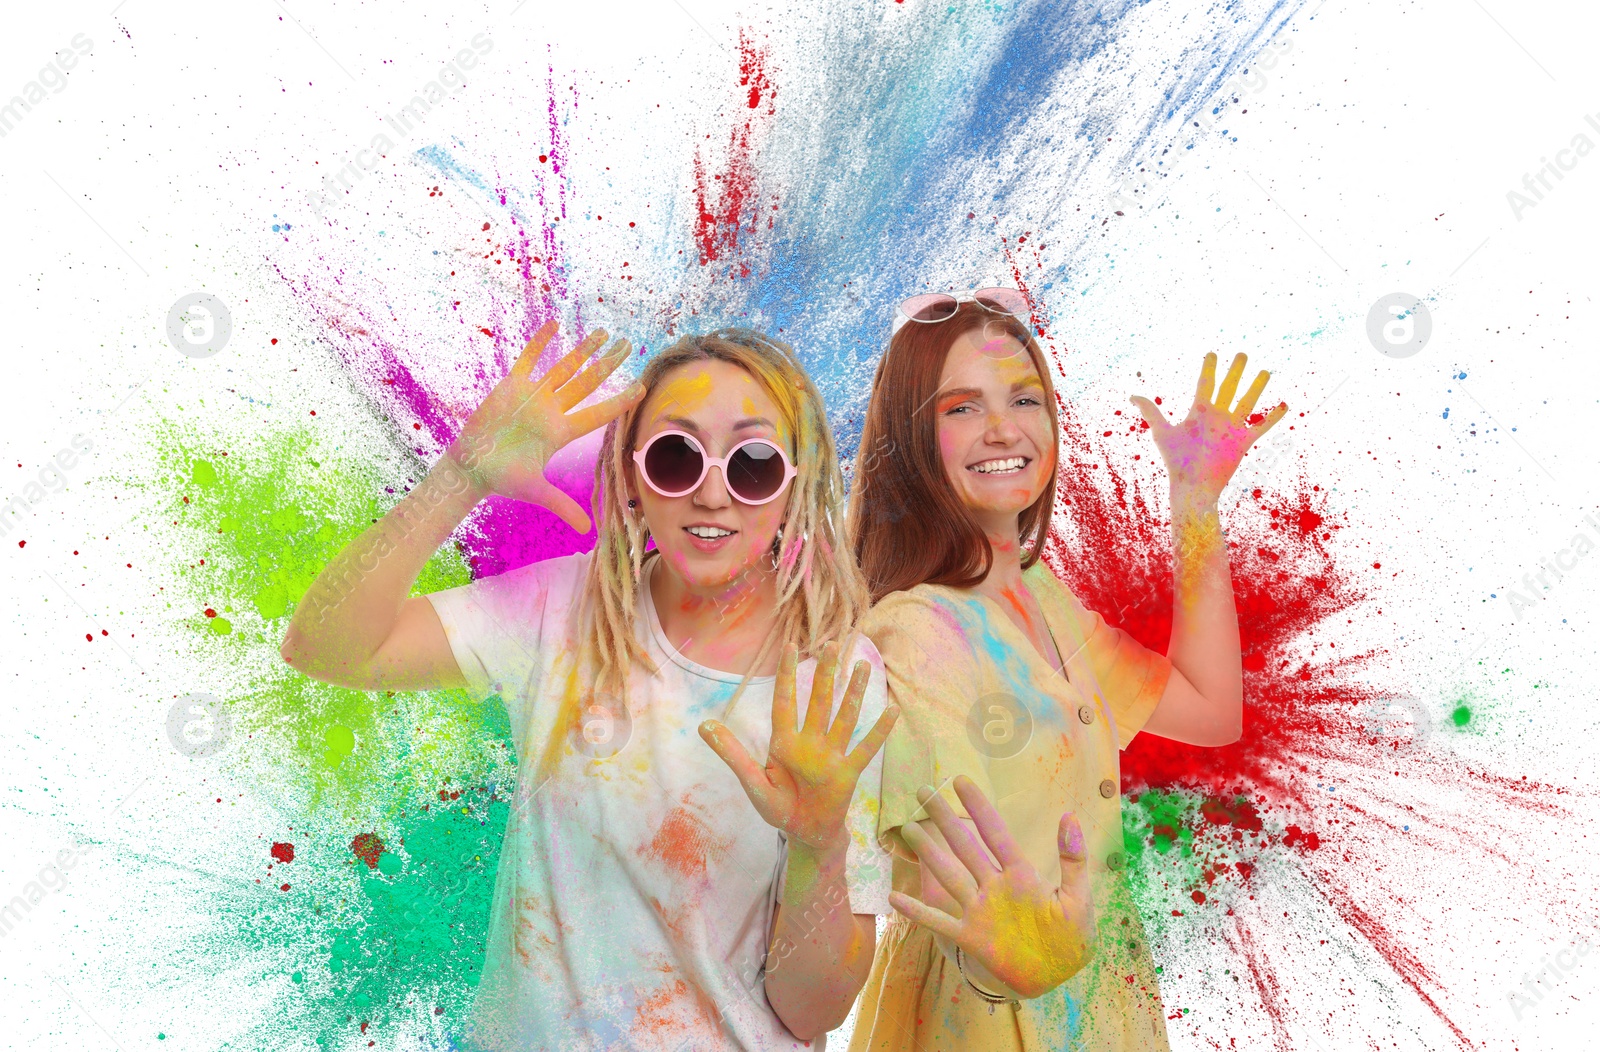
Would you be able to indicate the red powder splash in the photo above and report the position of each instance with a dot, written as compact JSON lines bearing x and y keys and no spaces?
{"x":1399,"y":957}
{"x":1303,"y":698}
{"x":1303,"y":695}
{"x":367,"y":847}
{"x":753,"y":74}
{"x":1266,"y":984}
{"x":283,"y":852}
{"x":1286,"y":585}
{"x":1298,"y":713}
{"x":731,"y":200}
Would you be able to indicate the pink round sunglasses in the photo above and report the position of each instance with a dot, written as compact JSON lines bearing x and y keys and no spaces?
{"x":674,"y":463}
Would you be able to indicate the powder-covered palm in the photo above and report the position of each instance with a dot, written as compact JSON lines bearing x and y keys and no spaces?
{"x":1030,"y":936}
{"x":507,"y":441}
{"x":811,"y":772}
{"x":1203,"y":450}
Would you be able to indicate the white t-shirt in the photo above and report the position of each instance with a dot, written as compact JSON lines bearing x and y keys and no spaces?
{"x":637,"y":884}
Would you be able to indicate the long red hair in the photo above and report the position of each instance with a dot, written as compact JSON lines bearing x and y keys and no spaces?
{"x":906,"y":523}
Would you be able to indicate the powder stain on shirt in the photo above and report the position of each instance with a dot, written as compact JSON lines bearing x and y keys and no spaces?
{"x":683,"y":843}
{"x":662,"y":1014}
{"x":532,"y":938}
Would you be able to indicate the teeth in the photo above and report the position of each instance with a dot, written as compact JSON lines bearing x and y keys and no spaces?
{"x":709,"y":533}
{"x":1009,"y":464}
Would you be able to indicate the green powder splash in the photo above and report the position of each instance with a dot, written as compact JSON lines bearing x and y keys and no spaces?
{"x":1191,"y":856}
{"x":395,"y":803}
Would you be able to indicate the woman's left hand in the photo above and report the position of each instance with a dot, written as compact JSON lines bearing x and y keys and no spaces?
{"x":1204,"y":450}
{"x":1028,"y":935}
{"x":811,"y":771}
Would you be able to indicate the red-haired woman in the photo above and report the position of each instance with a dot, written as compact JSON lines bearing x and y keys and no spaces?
{"x":1001,"y":788}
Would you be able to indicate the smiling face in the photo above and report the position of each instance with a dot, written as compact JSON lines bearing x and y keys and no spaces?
{"x":993,"y":426}
{"x":707,"y":537}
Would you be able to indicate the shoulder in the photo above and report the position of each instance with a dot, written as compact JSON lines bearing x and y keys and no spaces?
{"x":923,"y":627}
{"x":927,"y":606}
{"x":862,"y":649}
{"x":563,"y":574}
{"x":567,"y":572}
{"x":1052,"y":591}
{"x":1040,"y":578}
{"x":520,"y":594}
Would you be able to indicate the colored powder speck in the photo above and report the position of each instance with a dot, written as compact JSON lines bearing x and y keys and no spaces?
{"x":368,"y":847}
{"x":283,"y":852}
{"x":1461,"y":716}
{"x":341,"y":742}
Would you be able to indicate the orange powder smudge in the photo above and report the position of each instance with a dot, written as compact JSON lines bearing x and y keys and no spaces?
{"x":661,"y":1016}
{"x":673,"y":922}
{"x":531,"y":936}
{"x":682,"y":843}
{"x":1014,"y":600}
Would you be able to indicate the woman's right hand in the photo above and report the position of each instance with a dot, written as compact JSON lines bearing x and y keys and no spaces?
{"x":1029,"y":936}
{"x":507,"y":441}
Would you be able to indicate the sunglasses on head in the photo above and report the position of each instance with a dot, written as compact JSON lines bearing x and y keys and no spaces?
{"x":938,"y":306}
{"x":674,"y":464}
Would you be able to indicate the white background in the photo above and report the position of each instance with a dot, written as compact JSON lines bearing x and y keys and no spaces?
{"x":1377,"y":159}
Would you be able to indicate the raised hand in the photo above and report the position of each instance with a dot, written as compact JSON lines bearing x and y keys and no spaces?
{"x":507,"y":441}
{"x":1029,"y":936}
{"x":811,"y":771}
{"x":1204,"y":449}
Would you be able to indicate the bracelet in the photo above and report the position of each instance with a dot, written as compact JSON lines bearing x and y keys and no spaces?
{"x":991,"y":999}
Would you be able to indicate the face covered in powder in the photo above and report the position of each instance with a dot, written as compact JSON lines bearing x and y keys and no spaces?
{"x":993,"y":427}
{"x":708,"y":537}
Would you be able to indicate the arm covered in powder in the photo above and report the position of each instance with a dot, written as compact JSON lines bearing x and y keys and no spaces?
{"x":358,"y":626}
{"x":1203,"y":703}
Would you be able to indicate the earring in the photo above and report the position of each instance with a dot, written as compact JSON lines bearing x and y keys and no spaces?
{"x":633,"y":504}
